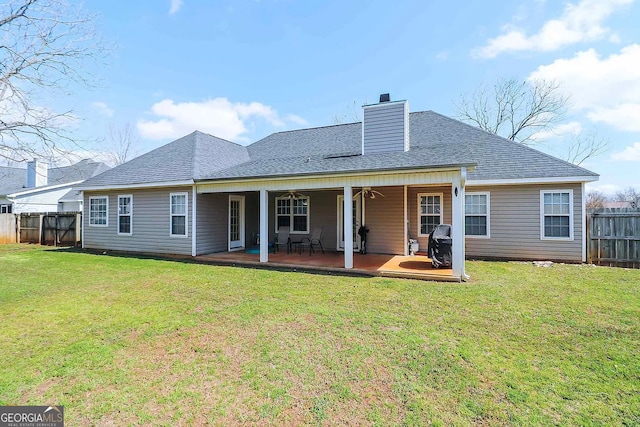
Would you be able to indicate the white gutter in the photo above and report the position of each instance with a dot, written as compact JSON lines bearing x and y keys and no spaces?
{"x":133,"y":186}
{"x":517,"y":181}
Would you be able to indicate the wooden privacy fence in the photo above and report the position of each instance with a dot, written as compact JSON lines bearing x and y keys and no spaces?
{"x":613,"y":237}
{"x":7,"y":228}
{"x":54,"y":228}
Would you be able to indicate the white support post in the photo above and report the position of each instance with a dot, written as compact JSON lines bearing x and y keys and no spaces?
{"x":457,"y":224}
{"x":82,"y":218}
{"x":583,"y":215}
{"x":193,"y":221}
{"x":264,"y":226}
{"x":348,"y":227}
{"x":406,"y":224}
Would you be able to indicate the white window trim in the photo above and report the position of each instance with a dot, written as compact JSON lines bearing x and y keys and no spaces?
{"x":291,"y":215}
{"x":420,"y":215}
{"x":186,"y":215}
{"x":106,"y":224}
{"x":488,"y":214}
{"x":542,"y":215}
{"x":130,"y":215}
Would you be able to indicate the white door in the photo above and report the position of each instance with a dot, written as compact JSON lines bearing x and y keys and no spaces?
{"x":236,"y":223}
{"x":355,"y":211}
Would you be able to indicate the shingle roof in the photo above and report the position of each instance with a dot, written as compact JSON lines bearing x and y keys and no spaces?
{"x":435,"y":141}
{"x":194,"y":156}
{"x":12,"y":180}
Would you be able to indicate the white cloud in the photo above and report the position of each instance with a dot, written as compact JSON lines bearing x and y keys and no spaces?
{"x":219,"y":117}
{"x":295,"y":119}
{"x":624,"y":117}
{"x":630,"y":153}
{"x":103,"y":108}
{"x":571,"y":128}
{"x":442,"y":55}
{"x":579,"y":23}
{"x":607,"y":89}
{"x":175,"y":6}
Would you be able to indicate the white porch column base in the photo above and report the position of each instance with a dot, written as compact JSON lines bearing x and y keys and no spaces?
{"x":457,"y":224}
{"x":348,"y":227}
{"x":264,"y":226}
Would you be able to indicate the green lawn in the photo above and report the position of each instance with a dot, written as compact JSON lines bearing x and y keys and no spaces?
{"x":122,"y":341}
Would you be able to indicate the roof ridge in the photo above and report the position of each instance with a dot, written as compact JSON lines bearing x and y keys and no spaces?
{"x":328,"y":126}
{"x":518,"y":144}
{"x":199,"y":132}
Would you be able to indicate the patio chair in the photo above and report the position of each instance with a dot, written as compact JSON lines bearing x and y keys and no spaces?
{"x":282,"y":239}
{"x":310,"y":242}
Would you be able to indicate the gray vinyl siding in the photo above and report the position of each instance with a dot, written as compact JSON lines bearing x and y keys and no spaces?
{"x":212,"y":212}
{"x":515,"y":226}
{"x":384,"y":217}
{"x":384,"y":128}
{"x":150,"y":223}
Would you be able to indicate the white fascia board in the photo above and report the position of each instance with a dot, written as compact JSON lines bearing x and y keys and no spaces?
{"x":42,"y":189}
{"x":517,"y":181}
{"x":381,"y":178}
{"x":444,"y":168}
{"x":133,"y":186}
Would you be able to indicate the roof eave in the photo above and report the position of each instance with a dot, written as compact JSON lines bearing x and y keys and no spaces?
{"x":540,"y":180}
{"x":470,"y":167}
{"x":136,"y":185}
{"x":42,"y":189}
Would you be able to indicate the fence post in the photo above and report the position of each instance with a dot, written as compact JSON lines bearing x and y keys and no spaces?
{"x":78,"y":229}
{"x":18,"y":219}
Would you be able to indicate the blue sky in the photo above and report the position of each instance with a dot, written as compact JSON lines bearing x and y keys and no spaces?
{"x":244,"y":69}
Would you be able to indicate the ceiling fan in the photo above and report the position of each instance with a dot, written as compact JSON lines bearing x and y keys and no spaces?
{"x":368,"y":192}
{"x":293,"y":194}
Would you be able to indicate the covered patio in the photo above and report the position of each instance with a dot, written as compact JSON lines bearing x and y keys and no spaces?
{"x":404,"y":266}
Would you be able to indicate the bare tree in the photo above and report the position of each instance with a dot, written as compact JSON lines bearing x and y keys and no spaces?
{"x":351,"y":116}
{"x":595,"y":200}
{"x":43,"y":46}
{"x":524,"y":111}
{"x":631,"y":195}
{"x":516,"y":110}
{"x":584,"y":147}
{"x":123,"y":143}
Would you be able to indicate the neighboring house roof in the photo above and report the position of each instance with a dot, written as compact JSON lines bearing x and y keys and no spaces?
{"x":435,"y":141}
{"x":12,"y":180}
{"x":71,"y":196}
{"x":616,"y":205}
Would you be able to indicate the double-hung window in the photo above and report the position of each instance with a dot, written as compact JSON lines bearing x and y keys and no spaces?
{"x":99,"y":211}
{"x":178,"y":213}
{"x":476,"y":214}
{"x":429,"y":212}
{"x":556,"y":214}
{"x":5,"y":208}
{"x":125,"y":212}
{"x":293,"y":213}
